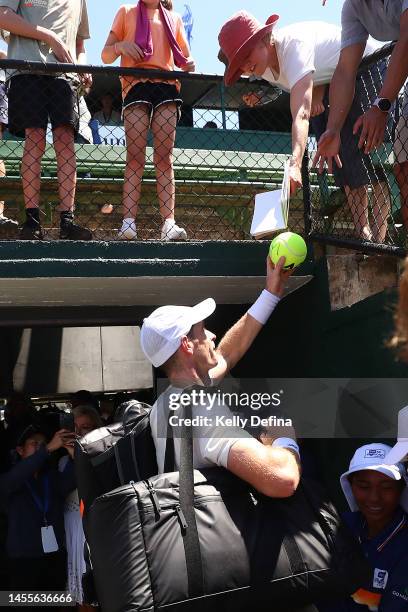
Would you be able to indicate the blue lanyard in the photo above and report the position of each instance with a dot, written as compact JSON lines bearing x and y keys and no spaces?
{"x":42,"y":504}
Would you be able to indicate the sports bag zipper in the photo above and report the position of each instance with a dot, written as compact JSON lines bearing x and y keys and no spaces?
{"x":181,"y":517}
{"x":154,"y":498}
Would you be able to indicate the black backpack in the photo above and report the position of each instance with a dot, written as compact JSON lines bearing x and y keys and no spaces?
{"x":114,"y":455}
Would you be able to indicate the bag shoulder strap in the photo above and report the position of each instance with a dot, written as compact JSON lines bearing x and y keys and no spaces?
{"x":169,"y":457}
{"x":186,"y":483}
{"x":186,"y":495}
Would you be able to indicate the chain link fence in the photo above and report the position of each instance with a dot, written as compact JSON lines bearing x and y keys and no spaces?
{"x":190,"y":148}
{"x":365,"y":204}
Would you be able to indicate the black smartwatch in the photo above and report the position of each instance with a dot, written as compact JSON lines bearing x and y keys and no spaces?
{"x":383,"y":104}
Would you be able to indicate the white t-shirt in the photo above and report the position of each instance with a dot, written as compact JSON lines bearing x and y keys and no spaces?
{"x":212,"y":439}
{"x":308,"y":47}
{"x":115,"y":118}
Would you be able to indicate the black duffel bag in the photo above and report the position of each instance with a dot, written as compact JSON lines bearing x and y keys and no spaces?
{"x":192,"y":539}
{"x":111,"y":456}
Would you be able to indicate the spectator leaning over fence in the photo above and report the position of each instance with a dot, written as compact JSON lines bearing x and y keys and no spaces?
{"x":301,"y":58}
{"x":383,"y":21}
{"x":48,"y":32}
{"x":149,"y":35}
{"x":8,"y":226}
{"x":175,"y":338}
{"x":107,"y":115}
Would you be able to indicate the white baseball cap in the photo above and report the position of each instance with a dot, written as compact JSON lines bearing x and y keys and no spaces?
{"x":162,"y":331}
{"x":370,"y":457}
{"x":400,"y":450}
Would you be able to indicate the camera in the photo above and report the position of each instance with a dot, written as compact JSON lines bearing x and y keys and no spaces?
{"x":66,"y":421}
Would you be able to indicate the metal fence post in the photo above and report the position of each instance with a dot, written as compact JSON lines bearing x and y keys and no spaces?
{"x":307,"y":200}
{"x":223,"y":111}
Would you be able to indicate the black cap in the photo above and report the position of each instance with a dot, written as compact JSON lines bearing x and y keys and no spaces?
{"x":28,"y":432}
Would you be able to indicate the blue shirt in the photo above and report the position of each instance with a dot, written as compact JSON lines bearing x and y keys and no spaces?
{"x":377,"y":18}
{"x":25,"y":518}
{"x":388,"y":555}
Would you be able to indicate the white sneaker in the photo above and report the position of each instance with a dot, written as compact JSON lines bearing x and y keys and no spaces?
{"x":128,"y":230}
{"x":171,"y":231}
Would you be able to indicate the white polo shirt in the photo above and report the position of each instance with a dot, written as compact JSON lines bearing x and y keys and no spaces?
{"x":211,"y":442}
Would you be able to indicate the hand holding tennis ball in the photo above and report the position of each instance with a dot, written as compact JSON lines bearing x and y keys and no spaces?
{"x":290,"y":246}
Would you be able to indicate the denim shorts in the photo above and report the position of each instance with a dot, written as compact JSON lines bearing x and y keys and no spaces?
{"x":3,"y":105}
{"x":358,"y":169}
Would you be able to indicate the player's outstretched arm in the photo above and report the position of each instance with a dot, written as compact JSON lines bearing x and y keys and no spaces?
{"x":240,"y":336}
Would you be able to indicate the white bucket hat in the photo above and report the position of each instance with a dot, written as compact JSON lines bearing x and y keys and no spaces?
{"x":371,"y":457}
{"x":162,"y":331}
{"x":400,"y":451}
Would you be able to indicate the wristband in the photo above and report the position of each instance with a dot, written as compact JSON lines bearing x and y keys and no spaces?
{"x":288,"y":443}
{"x":264,"y":306}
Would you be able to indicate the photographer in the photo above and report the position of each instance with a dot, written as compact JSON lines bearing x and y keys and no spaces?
{"x":33,"y":495}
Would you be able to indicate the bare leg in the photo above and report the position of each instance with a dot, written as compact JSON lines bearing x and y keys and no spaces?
{"x":31,"y":166}
{"x":358,"y":202}
{"x":164,"y":133}
{"x":136,"y":127}
{"x":2,"y":173}
{"x":2,"y":170}
{"x":401,"y":174}
{"x":66,"y":166}
{"x":381,"y":211}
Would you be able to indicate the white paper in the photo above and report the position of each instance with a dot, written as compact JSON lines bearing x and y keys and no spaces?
{"x":286,"y":191}
{"x":271,"y":209}
{"x":49,"y":540}
{"x":268,"y":213}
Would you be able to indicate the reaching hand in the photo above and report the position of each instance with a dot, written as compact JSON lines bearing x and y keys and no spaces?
{"x":372,"y":125}
{"x":295,"y":177}
{"x":276,"y":276}
{"x":328,"y":149}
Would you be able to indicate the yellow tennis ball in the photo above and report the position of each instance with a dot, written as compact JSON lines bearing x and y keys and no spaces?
{"x":290,"y":246}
